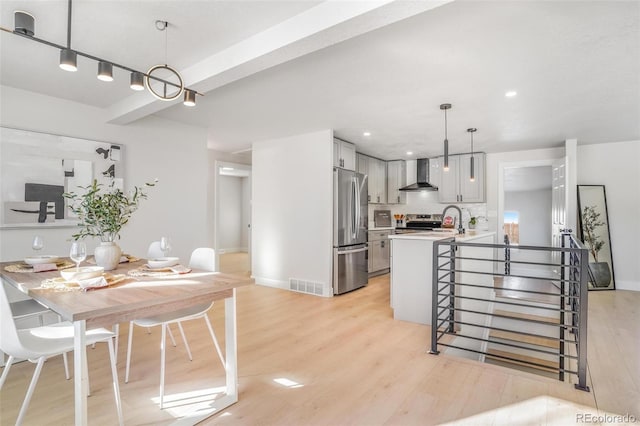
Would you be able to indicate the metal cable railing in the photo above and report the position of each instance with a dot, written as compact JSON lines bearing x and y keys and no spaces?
{"x":532,"y":313}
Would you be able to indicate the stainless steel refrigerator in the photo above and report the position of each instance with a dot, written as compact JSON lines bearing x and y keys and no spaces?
{"x":350,"y":222}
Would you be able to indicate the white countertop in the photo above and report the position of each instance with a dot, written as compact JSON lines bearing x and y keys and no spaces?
{"x":382,"y":228}
{"x":470,"y":235}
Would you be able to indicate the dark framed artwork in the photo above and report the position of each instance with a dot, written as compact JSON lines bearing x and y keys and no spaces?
{"x":594,"y":231}
{"x":37,"y":168}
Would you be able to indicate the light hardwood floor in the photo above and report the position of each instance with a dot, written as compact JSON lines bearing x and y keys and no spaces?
{"x":235,"y":263}
{"x":348,"y":363}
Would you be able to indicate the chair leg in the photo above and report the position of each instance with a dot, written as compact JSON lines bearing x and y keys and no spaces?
{"x":215,"y":341}
{"x":86,"y":373}
{"x":5,"y":372}
{"x":129,"y":344}
{"x":116,"y":330}
{"x":184,"y":339}
{"x":32,"y":386}
{"x":116,"y":386}
{"x":173,"y":341}
{"x":66,"y":366}
{"x":163,"y":344}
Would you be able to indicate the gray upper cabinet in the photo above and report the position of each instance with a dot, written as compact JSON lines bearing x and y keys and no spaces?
{"x":376,"y":170}
{"x":455,"y":185}
{"x":396,"y":179}
{"x":344,"y":154}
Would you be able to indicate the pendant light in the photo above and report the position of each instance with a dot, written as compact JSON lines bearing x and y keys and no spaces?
{"x":472,"y":175}
{"x":445,"y":165}
{"x":162,"y":81}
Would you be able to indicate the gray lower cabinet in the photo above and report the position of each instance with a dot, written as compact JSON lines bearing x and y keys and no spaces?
{"x":379,"y":252}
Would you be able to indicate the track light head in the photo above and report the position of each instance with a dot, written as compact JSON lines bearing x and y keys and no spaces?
{"x":105,"y":71}
{"x":137,"y":81}
{"x":68,"y":60}
{"x":189,"y":98}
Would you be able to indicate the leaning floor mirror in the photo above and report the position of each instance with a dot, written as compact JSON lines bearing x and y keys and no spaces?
{"x":594,"y":230}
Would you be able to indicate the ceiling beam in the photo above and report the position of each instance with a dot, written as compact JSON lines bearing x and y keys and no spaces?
{"x":328,"y":23}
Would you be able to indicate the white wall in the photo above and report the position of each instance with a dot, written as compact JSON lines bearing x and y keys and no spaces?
{"x":616,"y":166}
{"x":534,"y":208}
{"x":292,"y":195}
{"x":174,"y":153}
{"x":231,"y":209}
{"x":246,"y":213}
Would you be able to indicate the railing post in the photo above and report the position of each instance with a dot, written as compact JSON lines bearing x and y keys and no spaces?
{"x":582,"y":320}
{"x":435,"y":266}
{"x":563,"y":239}
{"x":452,"y":287}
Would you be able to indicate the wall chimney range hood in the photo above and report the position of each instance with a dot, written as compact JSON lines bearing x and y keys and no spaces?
{"x":422,"y":181}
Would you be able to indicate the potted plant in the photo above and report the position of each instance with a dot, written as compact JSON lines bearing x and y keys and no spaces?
{"x":472,"y":222}
{"x":102,"y":212}
{"x":600,"y":272}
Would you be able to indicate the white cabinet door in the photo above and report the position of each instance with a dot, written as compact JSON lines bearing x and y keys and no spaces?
{"x":381,"y":181}
{"x":348,"y":154}
{"x":448,"y":191}
{"x":455,"y":184}
{"x":435,"y":171}
{"x":472,"y":192}
{"x":344,"y":154}
{"x":396,"y":179}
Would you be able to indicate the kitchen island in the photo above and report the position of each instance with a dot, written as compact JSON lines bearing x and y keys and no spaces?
{"x":411,"y":270}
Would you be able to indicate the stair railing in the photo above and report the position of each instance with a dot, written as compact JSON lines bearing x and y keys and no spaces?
{"x":463,"y":278}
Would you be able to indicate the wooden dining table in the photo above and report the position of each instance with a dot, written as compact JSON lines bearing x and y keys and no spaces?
{"x":135,"y":297}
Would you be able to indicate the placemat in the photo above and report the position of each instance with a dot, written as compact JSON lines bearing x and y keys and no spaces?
{"x":23,"y":267}
{"x":60,"y":284}
{"x":145,"y":271}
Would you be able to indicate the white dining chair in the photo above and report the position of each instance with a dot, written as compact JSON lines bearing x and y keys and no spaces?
{"x":23,"y":309}
{"x":40,"y":343}
{"x":201,"y":258}
{"x":154,"y":250}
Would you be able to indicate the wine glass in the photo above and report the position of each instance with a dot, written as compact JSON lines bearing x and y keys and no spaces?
{"x":78,"y":253}
{"x":165,"y":245}
{"x":37,"y":243}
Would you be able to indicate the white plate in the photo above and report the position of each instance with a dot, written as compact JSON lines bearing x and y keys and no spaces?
{"x":37,"y":260}
{"x":162,"y":262}
{"x":82,"y":274}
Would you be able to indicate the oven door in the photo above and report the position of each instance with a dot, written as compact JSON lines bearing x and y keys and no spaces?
{"x":350,"y":268}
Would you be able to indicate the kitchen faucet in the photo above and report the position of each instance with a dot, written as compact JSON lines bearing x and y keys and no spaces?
{"x":460,"y":228}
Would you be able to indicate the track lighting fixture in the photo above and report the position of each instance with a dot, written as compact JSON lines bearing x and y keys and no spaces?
{"x":105,"y":71}
{"x":155,"y":80}
{"x":137,"y":81}
{"x":472,"y":175}
{"x":445,"y":165}
{"x":68,"y":60}
{"x":189,"y":98}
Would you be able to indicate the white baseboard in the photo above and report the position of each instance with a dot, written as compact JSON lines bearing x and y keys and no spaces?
{"x":627,"y":285}
{"x":234,"y":250}
{"x":268,"y":282}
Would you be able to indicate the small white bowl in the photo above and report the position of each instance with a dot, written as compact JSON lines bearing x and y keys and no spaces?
{"x":83,"y":273}
{"x":37,"y":260}
{"x":162,"y":262}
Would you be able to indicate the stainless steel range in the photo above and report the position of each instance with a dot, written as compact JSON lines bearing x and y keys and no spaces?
{"x":420,"y":222}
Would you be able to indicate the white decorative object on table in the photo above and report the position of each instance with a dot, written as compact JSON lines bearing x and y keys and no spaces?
{"x":163,"y":262}
{"x":82,"y":273}
{"x":37,"y":260}
{"x":107,"y":255}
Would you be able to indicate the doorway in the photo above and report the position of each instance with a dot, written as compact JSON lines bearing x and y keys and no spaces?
{"x":525,"y":211}
{"x":233,"y":218}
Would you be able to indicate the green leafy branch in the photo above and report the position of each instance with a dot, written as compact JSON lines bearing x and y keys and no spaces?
{"x":103,"y":211}
{"x":590,"y":223}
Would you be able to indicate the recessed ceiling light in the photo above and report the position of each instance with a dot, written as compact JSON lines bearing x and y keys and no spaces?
{"x":409,"y":152}
{"x":366,"y":134}
{"x":511,"y":93}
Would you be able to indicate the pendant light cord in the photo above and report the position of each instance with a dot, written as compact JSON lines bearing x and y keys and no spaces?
{"x":445,"y":124}
{"x":69,"y":26}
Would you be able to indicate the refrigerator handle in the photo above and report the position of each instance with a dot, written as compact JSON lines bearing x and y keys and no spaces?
{"x":357,"y":192}
{"x":354,"y":220}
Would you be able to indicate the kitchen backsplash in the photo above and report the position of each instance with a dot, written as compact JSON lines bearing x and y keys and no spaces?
{"x":426,"y":202}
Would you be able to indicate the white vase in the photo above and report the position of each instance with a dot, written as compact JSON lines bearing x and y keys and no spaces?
{"x":107,"y":255}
